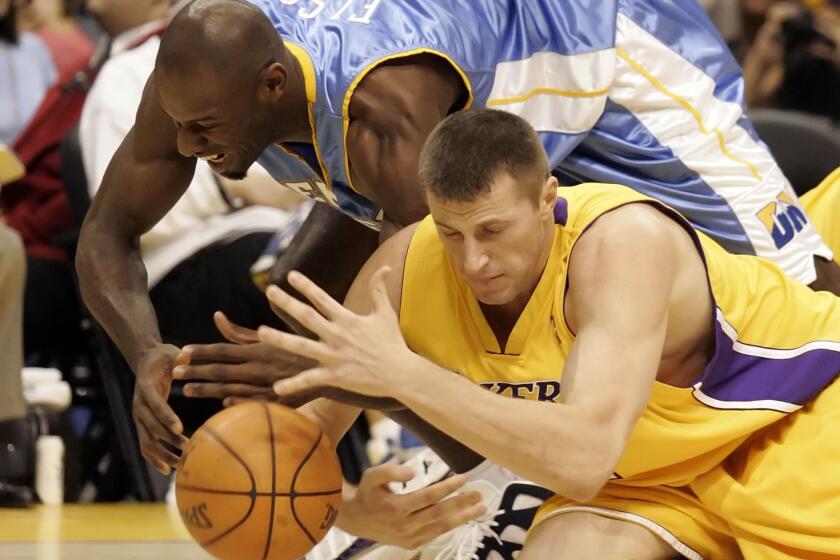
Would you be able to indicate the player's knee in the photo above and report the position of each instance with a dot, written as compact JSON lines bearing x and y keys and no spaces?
{"x":585,"y":536}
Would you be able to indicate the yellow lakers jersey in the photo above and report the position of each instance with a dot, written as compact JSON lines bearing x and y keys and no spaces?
{"x":823,"y":206}
{"x":777,"y":343}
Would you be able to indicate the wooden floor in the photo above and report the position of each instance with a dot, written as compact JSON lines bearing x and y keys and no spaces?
{"x":83,"y":532}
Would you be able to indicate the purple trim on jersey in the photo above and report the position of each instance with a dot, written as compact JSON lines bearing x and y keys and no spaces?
{"x":561,"y":211}
{"x":733,"y":376}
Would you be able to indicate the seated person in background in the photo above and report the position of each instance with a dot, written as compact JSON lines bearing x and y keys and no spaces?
{"x":794,"y":63}
{"x":698,"y":407}
{"x":54,"y":21}
{"x":37,"y":108}
{"x":30,"y":69}
{"x":16,"y":437}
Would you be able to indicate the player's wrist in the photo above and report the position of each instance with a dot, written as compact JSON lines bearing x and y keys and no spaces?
{"x":410,"y":377}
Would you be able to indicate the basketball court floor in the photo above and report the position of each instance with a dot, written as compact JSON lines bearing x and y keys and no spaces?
{"x":96,"y":531}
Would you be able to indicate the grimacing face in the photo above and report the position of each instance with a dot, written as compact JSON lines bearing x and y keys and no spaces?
{"x":498,"y":242}
{"x":227,"y":127}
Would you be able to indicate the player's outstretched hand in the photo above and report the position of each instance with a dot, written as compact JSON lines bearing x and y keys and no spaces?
{"x":360,"y":353}
{"x":244,"y":368}
{"x":154,"y":418}
{"x":373,"y":511}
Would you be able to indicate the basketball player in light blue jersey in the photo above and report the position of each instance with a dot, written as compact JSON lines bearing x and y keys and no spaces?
{"x":336,"y":97}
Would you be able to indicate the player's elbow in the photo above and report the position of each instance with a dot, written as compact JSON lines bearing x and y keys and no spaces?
{"x":587,"y":480}
{"x":585,"y":466}
{"x":586,"y":488}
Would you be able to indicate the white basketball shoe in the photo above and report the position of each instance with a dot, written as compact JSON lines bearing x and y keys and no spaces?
{"x":498,"y":535}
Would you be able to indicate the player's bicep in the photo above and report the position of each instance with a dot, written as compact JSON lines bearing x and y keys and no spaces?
{"x":385,"y":166}
{"x":620,"y":279}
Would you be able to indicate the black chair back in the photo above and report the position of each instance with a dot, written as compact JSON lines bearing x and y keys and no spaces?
{"x":806,"y":147}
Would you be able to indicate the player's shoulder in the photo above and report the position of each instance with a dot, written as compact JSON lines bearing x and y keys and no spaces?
{"x":393,"y":250}
{"x":617,"y":238}
{"x":642,"y":219}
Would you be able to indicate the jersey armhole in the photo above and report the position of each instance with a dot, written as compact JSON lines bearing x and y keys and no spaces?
{"x":345,"y":106}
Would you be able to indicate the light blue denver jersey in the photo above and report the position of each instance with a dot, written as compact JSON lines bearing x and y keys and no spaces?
{"x":643,"y":93}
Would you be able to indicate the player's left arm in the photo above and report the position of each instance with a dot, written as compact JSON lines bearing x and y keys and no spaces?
{"x":621,"y":274}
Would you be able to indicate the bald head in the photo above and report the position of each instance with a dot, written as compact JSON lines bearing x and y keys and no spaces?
{"x":230,"y":39}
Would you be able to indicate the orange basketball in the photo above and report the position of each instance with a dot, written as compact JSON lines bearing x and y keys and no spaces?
{"x":258,"y":480}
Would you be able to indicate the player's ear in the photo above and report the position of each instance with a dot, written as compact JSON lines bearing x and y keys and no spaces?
{"x":273,"y":82}
{"x":549,"y":194}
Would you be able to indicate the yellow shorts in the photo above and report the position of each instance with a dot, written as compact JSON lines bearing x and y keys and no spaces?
{"x":822,"y":203}
{"x":776,"y":497}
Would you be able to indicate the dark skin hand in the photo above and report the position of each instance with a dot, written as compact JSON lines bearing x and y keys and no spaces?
{"x":247,"y":369}
{"x":255,"y":366}
{"x":146,"y":177}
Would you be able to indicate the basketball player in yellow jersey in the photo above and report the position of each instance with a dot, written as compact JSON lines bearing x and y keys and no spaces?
{"x":824,"y":202}
{"x":679,"y":400}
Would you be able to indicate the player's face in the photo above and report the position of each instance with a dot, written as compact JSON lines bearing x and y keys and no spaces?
{"x":498,"y":242}
{"x":227,"y":127}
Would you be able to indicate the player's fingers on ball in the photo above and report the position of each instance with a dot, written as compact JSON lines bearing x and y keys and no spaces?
{"x":233,"y":401}
{"x":150,"y":448}
{"x":158,"y":430}
{"x":166,"y":418}
{"x":293,"y":401}
{"x":167,"y":456}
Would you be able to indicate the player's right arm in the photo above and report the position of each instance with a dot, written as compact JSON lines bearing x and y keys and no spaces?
{"x":372,"y":510}
{"x":333,"y":417}
{"x":145,"y":178}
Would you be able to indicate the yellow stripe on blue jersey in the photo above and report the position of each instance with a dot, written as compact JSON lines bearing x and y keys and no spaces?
{"x":759,"y":371}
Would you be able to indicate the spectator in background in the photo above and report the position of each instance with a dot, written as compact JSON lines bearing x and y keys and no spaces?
{"x":27,"y":63}
{"x":16,"y":437}
{"x":37,"y":108}
{"x":794,"y":62}
{"x":726,"y":15}
{"x":54,"y":21}
{"x":198,"y":257}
